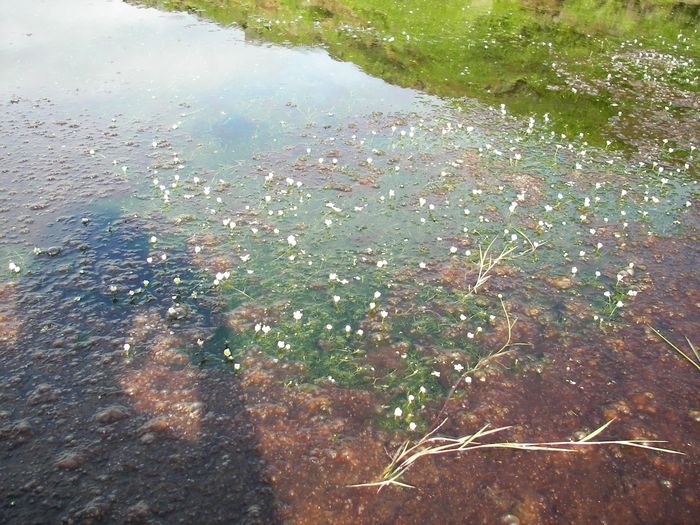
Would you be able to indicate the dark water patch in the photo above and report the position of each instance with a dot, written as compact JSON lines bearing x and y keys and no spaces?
{"x":84,"y":415}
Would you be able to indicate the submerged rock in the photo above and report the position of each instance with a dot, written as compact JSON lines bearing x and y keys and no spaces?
{"x":138,"y":513}
{"x":69,"y":460}
{"x":112,"y":414}
{"x":43,"y":393}
{"x":561,"y":282}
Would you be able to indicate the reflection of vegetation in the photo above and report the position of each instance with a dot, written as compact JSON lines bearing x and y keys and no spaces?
{"x":537,"y":57}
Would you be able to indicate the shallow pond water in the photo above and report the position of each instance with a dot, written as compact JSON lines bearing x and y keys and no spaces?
{"x":238,"y":275}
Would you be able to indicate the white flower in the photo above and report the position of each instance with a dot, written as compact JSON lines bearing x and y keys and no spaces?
{"x":336,"y":298}
{"x":265,"y":329}
{"x":154,"y":239}
{"x":291,"y":240}
{"x":329,"y":326}
{"x":421,"y":202}
{"x":297,"y":315}
{"x":383,"y":313}
{"x":377,"y":295}
{"x":458,"y":367}
{"x":411,"y":426}
{"x":332,"y":276}
{"x":574,"y":270}
{"x":280,"y":344}
{"x":127,"y":347}
{"x":421,"y":265}
{"x":398,"y":412}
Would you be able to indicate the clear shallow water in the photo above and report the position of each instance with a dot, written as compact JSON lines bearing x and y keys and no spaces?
{"x":114,"y":164}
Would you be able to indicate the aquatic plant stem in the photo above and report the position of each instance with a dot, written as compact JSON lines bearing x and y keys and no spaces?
{"x":503,"y":350}
{"x":428,"y":445}
{"x":696,"y":364}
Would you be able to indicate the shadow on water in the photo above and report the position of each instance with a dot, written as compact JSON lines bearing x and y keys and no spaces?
{"x":90,"y":430}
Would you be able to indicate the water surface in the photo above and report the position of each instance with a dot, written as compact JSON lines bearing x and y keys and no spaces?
{"x":239,"y":274}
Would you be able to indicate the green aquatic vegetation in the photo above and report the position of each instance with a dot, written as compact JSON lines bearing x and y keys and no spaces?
{"x":382,"y":259}
{"x":281,"y":238}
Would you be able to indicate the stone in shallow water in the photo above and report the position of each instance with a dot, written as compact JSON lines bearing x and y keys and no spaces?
{"x":561,"y":282}
{"x":510,"y":519}
{"x":112,"y":414}
{"x":157,"y":424}
{"x":94,"y":511}
{"x":138,"y":513}
{"x":43,"y":393}
{"x":148,"y":438}
{"x":69,"y":460}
